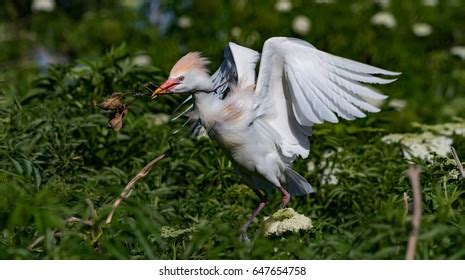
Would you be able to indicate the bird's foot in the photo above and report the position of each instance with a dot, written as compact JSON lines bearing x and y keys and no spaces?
{"x":284,"y":201}
{"x":285,"y":197}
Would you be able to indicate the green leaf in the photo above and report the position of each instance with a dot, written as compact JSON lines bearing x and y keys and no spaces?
{"x":18,"y":166}
{"x":38,"y":178}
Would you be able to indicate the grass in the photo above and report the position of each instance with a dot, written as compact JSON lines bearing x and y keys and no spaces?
{"x":58,"y":158}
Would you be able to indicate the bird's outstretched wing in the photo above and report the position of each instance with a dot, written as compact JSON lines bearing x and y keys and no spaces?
{"x":299,"y":86}
{"x":238,"y":63}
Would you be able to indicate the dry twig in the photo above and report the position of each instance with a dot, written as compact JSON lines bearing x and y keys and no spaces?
{"x":122,"y":196}
{"x":133,"y":182}
{"x":458,"y":162}
{"x":37,"y":241}
{"x":414,"y":175}
{"x":73,"y":220}
{"x":54,"y":233}
{"x":69,"y":220}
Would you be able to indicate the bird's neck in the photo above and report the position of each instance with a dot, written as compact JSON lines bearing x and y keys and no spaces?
{"x":206,"y":86}
{"x":206,"y":106}
{"x":202,"y":98}
{"x":203,"y":83}
{"x":205,"y":99}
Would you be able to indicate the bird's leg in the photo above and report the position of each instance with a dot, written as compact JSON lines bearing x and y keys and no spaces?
{"x":257,"y":210}
{"x":285,"y":199}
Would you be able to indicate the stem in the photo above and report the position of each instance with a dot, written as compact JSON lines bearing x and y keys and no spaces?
{"x":405,"y":199}
{"x":414,"y":175}
{"x":142,"y":173}
{"x":458,"y":162}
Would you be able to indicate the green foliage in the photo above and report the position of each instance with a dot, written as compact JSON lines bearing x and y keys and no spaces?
{"x":59,"y":160}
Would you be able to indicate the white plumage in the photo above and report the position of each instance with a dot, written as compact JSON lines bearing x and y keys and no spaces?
{"x":263,"y":124}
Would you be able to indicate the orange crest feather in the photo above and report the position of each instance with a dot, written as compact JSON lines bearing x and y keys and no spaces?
{"x":191,"y":61}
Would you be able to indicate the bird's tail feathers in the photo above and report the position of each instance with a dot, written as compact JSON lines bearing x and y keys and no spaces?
{"x":296,"y":184}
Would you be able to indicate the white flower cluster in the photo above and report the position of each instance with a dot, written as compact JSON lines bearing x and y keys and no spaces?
{"x":142,"y":60}
{"x":447,"y":129}
{"x":430,"y":3}
{"x":301,"y":25}
{"x":286,"y":220}
{"x":328,"y":176}
{"x":43,"y":5}
{"x":184,"y":22}
{"x":330,"y":168}
{"x":397,"y":104}
{"x":283,"y":6}
{"x":454,"y":174}
{"x":458,"y":51}
{"x":435,"y":139}
{"x":422,"y":29}
{"x":385,"y":19}
{"x":311,"y":167}
{"x":236,"y":32}
{"x":422,"y":145}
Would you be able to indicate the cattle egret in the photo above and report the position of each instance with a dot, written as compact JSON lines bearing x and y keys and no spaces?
{"x":263,"y":124}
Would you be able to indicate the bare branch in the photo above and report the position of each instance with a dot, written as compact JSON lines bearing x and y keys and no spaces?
{"x":458,"y":162}
{"x":414,"y":175}
{"x":405,"y":199}
{"x":124,"y":194}
{"x":36,"y":241}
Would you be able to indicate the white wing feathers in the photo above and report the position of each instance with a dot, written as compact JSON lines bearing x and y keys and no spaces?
{"x":238,"y":63}
{"x":245,"y":60}
{"x":299,"y":85}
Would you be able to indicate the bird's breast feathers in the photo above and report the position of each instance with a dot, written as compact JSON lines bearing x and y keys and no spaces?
{"x":229,"y":120}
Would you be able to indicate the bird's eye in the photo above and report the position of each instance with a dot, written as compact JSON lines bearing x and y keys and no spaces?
{"x":181,"y":78}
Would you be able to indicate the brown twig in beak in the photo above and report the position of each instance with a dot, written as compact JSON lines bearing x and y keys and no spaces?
{"x":114,"y":104}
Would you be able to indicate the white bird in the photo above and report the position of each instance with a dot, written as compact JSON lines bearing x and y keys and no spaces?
{"x":264,"y":124}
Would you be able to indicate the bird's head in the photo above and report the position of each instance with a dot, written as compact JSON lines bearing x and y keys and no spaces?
{"x":188,"y":75}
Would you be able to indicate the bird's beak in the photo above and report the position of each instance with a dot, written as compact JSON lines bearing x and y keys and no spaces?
{"x":165,"y":87}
